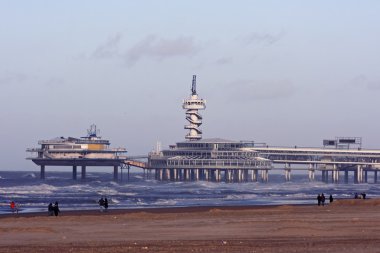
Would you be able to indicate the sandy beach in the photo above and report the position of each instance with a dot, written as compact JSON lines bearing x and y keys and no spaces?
{"x":343,"y":226}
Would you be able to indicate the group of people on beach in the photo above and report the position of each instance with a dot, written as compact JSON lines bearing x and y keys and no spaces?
{"x":321,"y":199}
{"x":361,"y":196}
{"x":103,"y":204}
{"x":53,"y":209}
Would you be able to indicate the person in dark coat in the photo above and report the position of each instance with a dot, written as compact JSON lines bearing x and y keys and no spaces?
{"x":101,"y":204}
{"x":323,"y":199}
{"x":56,"y":209}
{"x":319,"y":199}
{"x":106,"y":204}
{"x":331,"y":198}
{"x":50,"y":209}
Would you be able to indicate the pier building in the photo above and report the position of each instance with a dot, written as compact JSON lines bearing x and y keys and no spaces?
{"x":206,"y":159}
{"x":328,"y":160}
{"x":82,"y":152}
{"x":232,"y":161}
{"x":210,"y":160}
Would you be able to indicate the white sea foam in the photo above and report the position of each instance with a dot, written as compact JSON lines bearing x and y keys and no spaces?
{"x":34,"y":194}
{"x":165,"y":202}
{"x":29,"y":175}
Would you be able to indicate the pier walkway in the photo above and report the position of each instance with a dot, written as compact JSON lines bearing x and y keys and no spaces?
{"x":326,"y":160}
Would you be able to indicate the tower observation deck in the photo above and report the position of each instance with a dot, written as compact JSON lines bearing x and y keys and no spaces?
{"x":192,"y":105}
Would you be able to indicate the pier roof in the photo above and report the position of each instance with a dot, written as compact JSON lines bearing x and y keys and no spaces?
{"x":211,"y":140}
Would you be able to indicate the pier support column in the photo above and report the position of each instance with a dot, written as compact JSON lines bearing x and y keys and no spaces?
{"x":287,"y":175}
{"x":375,"y":177}
{"x":311,"y":172}
{"x":264,"y":175}
{"x":229,"y":176}
{"x":356,"y":176}
{"x":116,"y":172}
{"x":365,"y":176}
{"x":311,"y":175}
{"x":161,"y":174}
{"x":335,"y":174}
{"x":346,"y":176}
{"x":42,"y":172}
{"x":255,"y":175}
{"x":323,"y":175}
{"x":83,"y":175}
{"x":74,"y":172}
{"x":174,"y":175}
{"x":287,"y":172}
{"x":359,"y":173}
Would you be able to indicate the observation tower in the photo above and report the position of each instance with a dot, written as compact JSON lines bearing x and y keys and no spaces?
{"x":192,"y":105}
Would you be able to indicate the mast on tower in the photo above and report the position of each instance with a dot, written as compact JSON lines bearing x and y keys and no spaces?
{"x":194,"y":86}
{"x":192,"y":105}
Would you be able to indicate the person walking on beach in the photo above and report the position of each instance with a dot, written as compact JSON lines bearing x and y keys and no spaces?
{"x":101,"y":204}
{"x":323,"y":199}
{"x":331,"y":198}
{"x":56,"y":209}
{"x":50,"y":209}
{"x":319,"y":198}
{"x":13,"y":207}
{"x":106,"y":204}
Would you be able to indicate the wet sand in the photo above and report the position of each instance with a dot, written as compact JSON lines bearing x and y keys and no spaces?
{"x":343,"y":226}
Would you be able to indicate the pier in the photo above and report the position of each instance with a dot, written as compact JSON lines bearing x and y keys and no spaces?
{"x":232,"y":161}
{"x":327,"y":160}
{"x":82,"y":152}
{"x":213,"y":159}
{"x":333,"y":165}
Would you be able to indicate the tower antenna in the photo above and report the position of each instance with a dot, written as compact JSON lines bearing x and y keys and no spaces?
{"x":194,"y":86}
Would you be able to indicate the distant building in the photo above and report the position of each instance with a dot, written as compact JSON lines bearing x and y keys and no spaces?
{"x":91,"y":150}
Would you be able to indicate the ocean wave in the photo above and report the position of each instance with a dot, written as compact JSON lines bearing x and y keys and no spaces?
{"x":29,"y":175}
{"x":35,"y":194}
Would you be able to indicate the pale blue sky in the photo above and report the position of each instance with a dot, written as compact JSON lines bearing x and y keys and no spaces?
{"x":281,"y":72}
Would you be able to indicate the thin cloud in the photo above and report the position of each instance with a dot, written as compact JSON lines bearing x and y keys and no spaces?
{"x":246,"y":90}
{"x":262,"y":38}
{"x":160,"y":49}
{"x":364,"y":82}
{"x":55,"y":82}
{"x":109,"y":49}
{"x":224,"y":61}
{"x":10,"y":78}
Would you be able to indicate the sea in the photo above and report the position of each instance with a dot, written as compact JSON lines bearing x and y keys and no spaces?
{"x":31,"y":194}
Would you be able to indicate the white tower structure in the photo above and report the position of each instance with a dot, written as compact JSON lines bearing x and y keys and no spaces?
{"x":192,"y":105}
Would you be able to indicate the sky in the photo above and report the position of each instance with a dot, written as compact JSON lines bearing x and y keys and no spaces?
{"x":281,"y":72}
